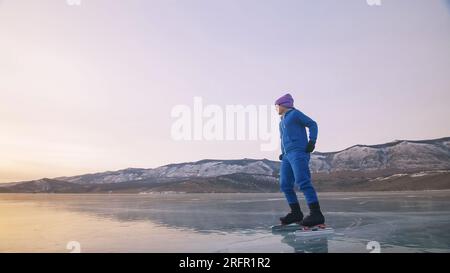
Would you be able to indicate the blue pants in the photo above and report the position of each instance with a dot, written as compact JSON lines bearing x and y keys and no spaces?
{"x":295,"y":171}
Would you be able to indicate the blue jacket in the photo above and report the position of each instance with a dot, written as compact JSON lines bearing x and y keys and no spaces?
{"x":293,"y":131}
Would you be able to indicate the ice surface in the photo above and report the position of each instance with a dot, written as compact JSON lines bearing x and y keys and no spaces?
{"x":398,"y":222}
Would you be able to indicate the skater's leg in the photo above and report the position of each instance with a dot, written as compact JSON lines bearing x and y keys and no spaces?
{"x":287,"y":181}
{"x":300,"y":168}
{"x":287,"y":184}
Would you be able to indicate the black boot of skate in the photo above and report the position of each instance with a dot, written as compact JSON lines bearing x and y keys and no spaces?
{"x":295,"y":216}
{"x":315,"y":216}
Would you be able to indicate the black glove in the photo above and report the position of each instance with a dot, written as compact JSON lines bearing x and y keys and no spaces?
{"x":311,"y":146}
{"x":281,"y":157}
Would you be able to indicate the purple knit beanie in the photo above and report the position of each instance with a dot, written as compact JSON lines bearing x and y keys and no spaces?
{"x":286,"y":101}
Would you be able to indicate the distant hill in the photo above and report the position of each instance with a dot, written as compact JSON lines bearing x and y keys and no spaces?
{"x":397,"y":165}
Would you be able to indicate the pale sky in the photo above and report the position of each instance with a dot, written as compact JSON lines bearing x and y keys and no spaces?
{"x":90,"y":88}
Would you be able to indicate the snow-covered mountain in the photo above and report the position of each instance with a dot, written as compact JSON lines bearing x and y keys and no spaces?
{"x":203,"y":168}
{"x":401,"y":155}
{"x":356,"y":163}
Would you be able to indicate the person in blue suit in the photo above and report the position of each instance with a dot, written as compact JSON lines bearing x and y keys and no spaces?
{"x":294,"y":171}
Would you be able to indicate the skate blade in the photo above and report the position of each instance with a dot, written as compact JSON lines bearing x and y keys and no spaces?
{"x":314,"y":231}
{"x":290,"y":227}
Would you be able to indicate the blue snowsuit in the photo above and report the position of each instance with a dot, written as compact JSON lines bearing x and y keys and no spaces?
{"x":294,"y":168}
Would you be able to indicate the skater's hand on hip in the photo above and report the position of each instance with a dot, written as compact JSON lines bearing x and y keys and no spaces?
{"x":311,"y":146}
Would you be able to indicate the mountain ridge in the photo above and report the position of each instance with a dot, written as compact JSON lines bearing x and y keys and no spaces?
{"x":359,"y":163}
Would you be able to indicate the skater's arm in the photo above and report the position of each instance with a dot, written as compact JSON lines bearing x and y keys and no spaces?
{"x":281,"y":142}
{"x":311,"y":124}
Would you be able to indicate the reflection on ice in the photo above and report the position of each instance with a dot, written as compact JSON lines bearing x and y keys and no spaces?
{"x":400,"y":222}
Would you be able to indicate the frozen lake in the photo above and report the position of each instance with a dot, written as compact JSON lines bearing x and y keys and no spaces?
{"x":398,"y":222}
